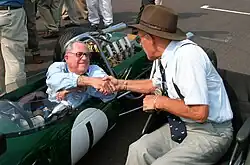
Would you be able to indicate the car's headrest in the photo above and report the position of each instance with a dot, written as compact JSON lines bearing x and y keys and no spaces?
{"x":240,"y":83}
{"x":211,"y":55}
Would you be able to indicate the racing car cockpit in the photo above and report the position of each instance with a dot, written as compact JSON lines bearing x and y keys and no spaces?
{"x":34,"y":109}
{"x":27,"y":113}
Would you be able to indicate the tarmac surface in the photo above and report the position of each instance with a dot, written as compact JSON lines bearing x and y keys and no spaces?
{"x":220,"y":25}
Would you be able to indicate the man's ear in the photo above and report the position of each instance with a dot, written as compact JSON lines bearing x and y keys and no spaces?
{"x":66,"y":57}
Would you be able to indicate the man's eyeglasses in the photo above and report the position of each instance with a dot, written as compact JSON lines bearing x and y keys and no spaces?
{"x":138,"y":38}
{"x":81,"y":54}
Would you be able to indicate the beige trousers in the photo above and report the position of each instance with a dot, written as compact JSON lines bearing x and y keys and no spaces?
{"x":70,"y":7}
{"x":51,"y":13}
{"x":205,"y":144}
{"x":14,"y":37}
{"x":158,"y":2}
{"x":82,"y":7}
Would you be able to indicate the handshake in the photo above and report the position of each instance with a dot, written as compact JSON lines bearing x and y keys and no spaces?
{"x":106,"y":85}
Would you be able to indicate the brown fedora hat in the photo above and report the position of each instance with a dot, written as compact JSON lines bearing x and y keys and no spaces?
{"x":160,"y":21}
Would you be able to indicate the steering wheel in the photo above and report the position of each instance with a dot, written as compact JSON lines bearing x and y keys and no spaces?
{"x":21,"y":112}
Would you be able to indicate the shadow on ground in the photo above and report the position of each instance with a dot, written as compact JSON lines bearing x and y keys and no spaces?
{"x":127,"y":17}
{"x":190,"y":15}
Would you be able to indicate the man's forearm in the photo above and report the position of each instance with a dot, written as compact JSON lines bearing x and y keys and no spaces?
{"x":84,"y":81}
{"x":139,"y":86}
{"x":178,"y":108}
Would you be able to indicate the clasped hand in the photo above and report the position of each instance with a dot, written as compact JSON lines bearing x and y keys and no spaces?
{"x":106,"y":85}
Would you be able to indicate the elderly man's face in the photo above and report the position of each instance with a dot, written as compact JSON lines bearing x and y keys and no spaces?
{"x":147,"y":44}
{"x":78,"y":58}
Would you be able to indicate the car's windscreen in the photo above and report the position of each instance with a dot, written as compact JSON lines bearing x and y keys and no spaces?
{"x":19,"y":116}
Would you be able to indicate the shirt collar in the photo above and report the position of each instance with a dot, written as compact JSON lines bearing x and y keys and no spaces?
{"x":168,"y":53}
{"x":68,"y":71}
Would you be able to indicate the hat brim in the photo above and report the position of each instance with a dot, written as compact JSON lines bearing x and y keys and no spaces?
{"x":179,"y":35}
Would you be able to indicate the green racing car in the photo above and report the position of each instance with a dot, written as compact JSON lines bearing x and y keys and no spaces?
{"x":34,"y":131}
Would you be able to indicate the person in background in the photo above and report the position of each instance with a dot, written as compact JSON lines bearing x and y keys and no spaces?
{"x":105,"y":8}
{"x":50,"y":12}
{"x":65,"y":15}
{"x":158,"y":2}
{"x":33,"y":43}
{"x":70,"y":8}
{"x":14,"y":37}
{"x":82,"y":8}
{"x":143,"y":4}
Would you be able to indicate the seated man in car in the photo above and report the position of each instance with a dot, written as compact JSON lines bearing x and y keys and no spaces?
{"x":75,"y":80}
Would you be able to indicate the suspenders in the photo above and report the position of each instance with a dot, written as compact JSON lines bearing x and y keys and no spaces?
{"x":163,"y":76}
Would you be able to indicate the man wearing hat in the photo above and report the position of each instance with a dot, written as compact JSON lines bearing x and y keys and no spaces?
{"x":198,"y":127}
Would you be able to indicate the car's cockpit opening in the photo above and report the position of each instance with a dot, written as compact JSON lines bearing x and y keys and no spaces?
{"x":18,"y":116}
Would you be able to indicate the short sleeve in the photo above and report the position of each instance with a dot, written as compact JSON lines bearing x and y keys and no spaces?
{"x":190,"y":74}
{"x":156,"y":79}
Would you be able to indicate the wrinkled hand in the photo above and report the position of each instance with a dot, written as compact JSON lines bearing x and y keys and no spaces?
{"x":149,"y":103}
{"x":113,"y":81}
{"x":61,"y":95}
{"x":105,"y":87}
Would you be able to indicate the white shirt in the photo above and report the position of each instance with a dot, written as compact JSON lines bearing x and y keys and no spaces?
{"x":188,"y":66}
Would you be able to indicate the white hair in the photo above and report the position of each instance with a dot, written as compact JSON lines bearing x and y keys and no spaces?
{"x":70,"y":46}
